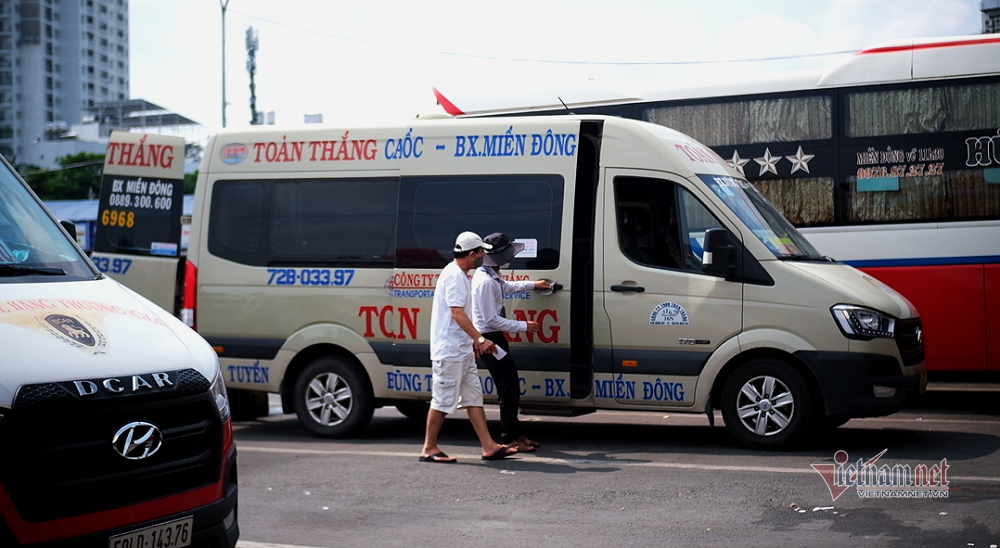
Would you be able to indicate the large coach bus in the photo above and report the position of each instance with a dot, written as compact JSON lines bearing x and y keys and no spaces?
{"x":888,"y":161}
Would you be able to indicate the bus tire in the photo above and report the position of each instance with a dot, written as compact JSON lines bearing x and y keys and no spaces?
{"x":415,"y":410}
{"x":767,"y":404}
{"x":332,"y":399}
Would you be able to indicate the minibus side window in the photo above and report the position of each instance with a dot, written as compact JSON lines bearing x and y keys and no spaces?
{"x":330,"y":222}
{"x":334,"y":221}
{"x":433,"y":210}
{"x":661,"y":224}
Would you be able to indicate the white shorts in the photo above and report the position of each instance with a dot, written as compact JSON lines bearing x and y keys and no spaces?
{"x":455,"y":384}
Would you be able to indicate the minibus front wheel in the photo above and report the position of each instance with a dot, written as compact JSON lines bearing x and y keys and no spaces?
{"x":767,"y":404}
{"x":332,"y":400}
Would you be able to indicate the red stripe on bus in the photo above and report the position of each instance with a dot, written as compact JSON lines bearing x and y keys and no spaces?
{"x":913,"y":47}
{"x":446,"y":104}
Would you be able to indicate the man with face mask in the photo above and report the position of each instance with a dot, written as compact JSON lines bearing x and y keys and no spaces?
{"x":490,"y":319}
{"x":455,"y":345}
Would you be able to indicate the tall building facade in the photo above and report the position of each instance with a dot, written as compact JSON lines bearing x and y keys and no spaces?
{"x":58,"y":58}
{"x":991,"y":16}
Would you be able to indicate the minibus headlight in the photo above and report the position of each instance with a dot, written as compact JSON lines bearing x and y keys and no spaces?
{"x":857,"y":322}
{"x":218,"y":391}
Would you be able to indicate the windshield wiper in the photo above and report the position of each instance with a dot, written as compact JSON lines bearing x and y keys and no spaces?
{"x":804,"y":257}
{"x":18,"y":270}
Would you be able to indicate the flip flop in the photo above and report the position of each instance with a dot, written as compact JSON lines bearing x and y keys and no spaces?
{"x":523,"y":447}
{"x":530,"y":443}
{"x":438,"y":457}
{"x":501,"y":453}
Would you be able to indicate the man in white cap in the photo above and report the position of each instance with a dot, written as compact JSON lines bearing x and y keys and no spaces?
{"x":490,"y":319}
{"x":455,"y":345}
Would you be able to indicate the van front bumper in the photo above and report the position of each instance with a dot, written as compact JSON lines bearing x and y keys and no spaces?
{"x":848,"y":381}
{"x":216,"y":524}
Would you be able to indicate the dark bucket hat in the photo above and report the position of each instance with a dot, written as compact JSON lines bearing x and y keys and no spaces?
{"x":503,"y":249}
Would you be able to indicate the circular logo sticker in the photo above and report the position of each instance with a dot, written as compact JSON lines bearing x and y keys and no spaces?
{"x":233,"y":153}
{"x":668,"y":314}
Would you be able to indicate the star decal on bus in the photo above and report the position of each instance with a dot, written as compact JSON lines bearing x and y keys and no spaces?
{"x":768,"y":162}
{"x":800,"y":161}
{"x":737,"y":163}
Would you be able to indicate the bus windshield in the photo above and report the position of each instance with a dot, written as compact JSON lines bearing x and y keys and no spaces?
{"x":31,"y":244}
{"x":773,"y":230}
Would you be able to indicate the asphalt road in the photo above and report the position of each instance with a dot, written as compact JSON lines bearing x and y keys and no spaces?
{"x":617,"y":479}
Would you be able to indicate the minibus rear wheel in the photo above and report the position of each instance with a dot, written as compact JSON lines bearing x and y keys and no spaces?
{"x":767,"y":404}
{"x":331,"y":398}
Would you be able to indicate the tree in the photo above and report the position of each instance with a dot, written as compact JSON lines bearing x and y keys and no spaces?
{"x":189,"y":182}
{"x":77,"y":178}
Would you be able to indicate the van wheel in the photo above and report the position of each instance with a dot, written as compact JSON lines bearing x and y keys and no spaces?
{"x":767,"y":404}
{"x":416,"y":410}
{"x":332,"y":400}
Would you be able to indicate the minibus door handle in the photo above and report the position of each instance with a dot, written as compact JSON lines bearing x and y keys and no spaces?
{"x":628,"y":288}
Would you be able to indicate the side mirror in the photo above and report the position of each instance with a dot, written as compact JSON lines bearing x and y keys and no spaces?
{"x":69,"y":227}
{"x":717,"y":259}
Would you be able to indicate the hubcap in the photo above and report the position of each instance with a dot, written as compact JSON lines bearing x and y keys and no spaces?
{"x":765,"y":405}
{"x":329,"y":399}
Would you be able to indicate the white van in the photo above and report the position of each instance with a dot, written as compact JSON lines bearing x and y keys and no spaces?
{"x":679,"y":287}
{"x":114,"y":421}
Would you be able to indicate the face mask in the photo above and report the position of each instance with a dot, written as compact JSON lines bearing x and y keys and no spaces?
{"x":479,"y":261}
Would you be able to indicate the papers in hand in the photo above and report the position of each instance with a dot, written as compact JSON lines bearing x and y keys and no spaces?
{"x":499,"y":354}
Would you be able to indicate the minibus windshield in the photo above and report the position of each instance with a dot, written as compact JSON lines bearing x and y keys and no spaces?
{"x":773,"y":230}
{"x":31,"y":244}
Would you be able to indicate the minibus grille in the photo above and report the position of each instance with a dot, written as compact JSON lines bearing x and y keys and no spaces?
{"x":909,"y":340}
{"x":58,"y":459}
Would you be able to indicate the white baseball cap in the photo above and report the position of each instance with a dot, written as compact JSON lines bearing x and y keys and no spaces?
{"x":470,"y":240}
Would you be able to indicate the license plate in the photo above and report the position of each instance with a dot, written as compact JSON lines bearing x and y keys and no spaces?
{"x":172,"y":534}
{"x":923,"y":382}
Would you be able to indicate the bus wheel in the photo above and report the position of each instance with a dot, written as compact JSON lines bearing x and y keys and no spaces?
{"x":416,"y":410}
{"x":332,"y":400}
{"x":767,"y":404}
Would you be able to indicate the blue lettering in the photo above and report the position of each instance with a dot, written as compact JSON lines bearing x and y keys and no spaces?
{"x":662,"y":391}
{"x":459,"y":146}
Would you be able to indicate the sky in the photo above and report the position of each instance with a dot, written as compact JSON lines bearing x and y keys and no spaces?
{"x":376,"y":62}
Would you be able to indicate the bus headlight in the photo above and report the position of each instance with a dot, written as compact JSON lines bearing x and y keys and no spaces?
{"x":857,"y":322}
{"x":218,"y":391}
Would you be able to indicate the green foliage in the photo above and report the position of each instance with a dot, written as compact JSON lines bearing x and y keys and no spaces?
{"x":77,"y":178}
{"x":189,"y":181}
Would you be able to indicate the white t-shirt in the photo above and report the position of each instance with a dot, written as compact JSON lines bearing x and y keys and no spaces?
{"x":453,"y":288}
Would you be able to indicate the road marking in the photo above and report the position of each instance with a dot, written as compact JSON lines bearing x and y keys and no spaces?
{"x":248,"y":544}
{"x":527,"y":457}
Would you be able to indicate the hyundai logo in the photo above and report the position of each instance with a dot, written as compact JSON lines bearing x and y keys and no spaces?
{"x":137,"y":440}
{"x":920,"y":336}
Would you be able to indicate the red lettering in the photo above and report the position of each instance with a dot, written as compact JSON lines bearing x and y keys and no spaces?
{"x":258,"y":148}
{"x":125,"y":158}
{"x":382,"y":315}
{"x":534,"y":315}
{"x":408,"y":322}
{"x":368,"y":311}
{"x":112,"y":150}
{"x":553,"y":336}
{"x":140,"y":156}
{"x":167,"y":160}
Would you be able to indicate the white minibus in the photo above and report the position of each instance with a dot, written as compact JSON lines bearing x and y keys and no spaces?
{"x":679,"y":288}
